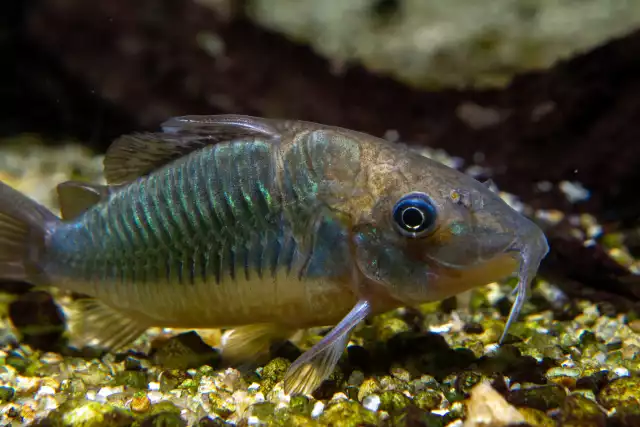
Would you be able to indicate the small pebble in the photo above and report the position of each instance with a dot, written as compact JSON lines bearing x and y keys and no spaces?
{"x":486,"y":407}
{"x":51,"y":358}
{"x":155,"y":396}
{"x":27,"y":385}
{"x":317,"y":409}
{"x":635,"y":325}
{"x":356,"y":378}
{"x":140,"y":404}
{"x":621,"y":372}
{"x":339,"y":396}
{"x":6,"y":394}
{"x":371,"y":402}
{"x":45,"y":391}
{"x":105,"y":392}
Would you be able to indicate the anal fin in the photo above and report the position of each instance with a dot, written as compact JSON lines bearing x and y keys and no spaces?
{"x":251,"y":343}
{"x":95,"y":324}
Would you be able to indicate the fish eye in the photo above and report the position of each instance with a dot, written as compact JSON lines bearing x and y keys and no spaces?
{"x":414,"y":215}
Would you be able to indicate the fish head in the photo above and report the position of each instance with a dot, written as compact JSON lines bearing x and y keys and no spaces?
{"x":430,"y":232}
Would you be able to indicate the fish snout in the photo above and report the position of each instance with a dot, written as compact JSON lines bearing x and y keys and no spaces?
{"x":492,"y":243}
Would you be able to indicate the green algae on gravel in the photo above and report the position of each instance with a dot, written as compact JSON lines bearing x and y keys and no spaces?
{"x":621,"y":392}
{"x":89,"y":414}
{"x":578,"y":411}
{"x":346,"y":413}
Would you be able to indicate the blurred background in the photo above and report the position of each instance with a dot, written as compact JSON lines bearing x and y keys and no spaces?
{"x":543,"y":97}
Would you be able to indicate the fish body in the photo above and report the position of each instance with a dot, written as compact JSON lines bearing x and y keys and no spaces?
{"x":213,"y":239}
{"x":266,"y":227}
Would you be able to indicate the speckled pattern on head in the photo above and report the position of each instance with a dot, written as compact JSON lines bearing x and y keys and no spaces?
{"x":265,"y":226}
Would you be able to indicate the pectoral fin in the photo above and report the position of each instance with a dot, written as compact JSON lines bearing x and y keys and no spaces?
{"x":313,"y":367}
{"x":93,"y":323}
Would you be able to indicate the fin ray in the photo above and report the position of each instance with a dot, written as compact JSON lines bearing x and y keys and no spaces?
{"x":491,"y":185}
{"x":252,"y":342}
{"x":93,"y":323}
{"x":135,"y":155}
{"x":24,"y":225}
{"x":224,"y":126}
{"x":77,"y":197}
{"x":314,"y":366}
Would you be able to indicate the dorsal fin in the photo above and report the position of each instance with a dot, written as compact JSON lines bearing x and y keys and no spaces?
{"x":76,"y":197}
{"x":225,"y":124}
{"x":136,"y":155}
{"x":491,"y":185}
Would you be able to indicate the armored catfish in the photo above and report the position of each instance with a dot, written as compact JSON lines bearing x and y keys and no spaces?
{"x":264,"y":227}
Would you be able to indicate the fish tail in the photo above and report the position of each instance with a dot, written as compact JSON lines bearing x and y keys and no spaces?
{"x":24,"y":226}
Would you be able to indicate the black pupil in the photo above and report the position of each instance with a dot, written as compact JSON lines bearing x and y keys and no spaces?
{"x":413,"y":218}
{"x":414,"y":214}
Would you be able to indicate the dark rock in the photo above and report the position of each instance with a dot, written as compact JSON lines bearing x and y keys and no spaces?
{"x":626,"y":416}
{"x":15,"y":288}
{"x":359,"y":357}
{"x":39,"y":320}
{"x":465,"y":381}
{"x":18,"y":361}
{"x":578,"y":411}
{"x":164,"y":419}
{"x":285,"y":349}
{"x":185,"y":351}
{"x":543,"y":398}
{"x":448,"y":305}
{"x":473,"y":328}
{"x":132,"y":364}
{"x":171,"y":379}
{"x":428,"y":353}
{"x":132,"y":379}
{"x":593,"y":382}
{"x":211,"y":422}
{"x":6,"y":394}
{"x":536,"y":418}
{"x":331,"y":385}
{"x":415,"y":417}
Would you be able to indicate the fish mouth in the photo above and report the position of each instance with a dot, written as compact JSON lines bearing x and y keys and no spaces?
{"x":468,"y":253}
{"x":452,"y":280}
{"x":490,"y":258}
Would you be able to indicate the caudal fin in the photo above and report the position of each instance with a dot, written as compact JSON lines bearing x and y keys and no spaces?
{"x":23,"y":227}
